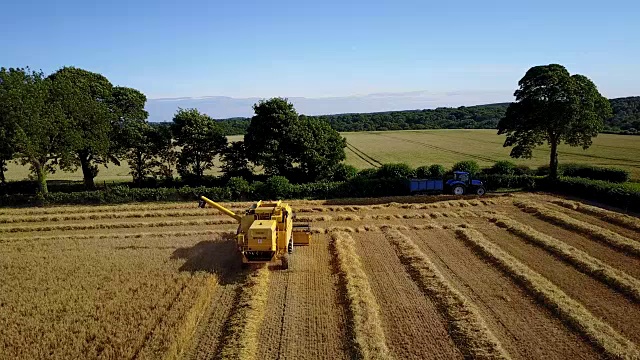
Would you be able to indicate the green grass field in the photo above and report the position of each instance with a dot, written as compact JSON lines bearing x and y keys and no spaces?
{"x":426,"y":147}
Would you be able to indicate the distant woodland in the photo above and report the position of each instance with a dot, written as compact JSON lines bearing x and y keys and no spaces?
{"x":625,"y":120}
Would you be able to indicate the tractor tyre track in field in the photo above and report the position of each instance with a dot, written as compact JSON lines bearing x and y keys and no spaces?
{"x":438,"y":148}
{"x":362,"y":155}
{"x":541,"y":148}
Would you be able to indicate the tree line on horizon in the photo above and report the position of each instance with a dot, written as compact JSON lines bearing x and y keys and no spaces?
{"x":76,"y":119}
{"x":625,"y":119}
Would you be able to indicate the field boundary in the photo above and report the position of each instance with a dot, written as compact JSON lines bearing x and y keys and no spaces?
{"x":363,"y":309}
{"x":574,"y":314}
{"x":628,"y":246}
{"x":466,"y":327}
{"x":583,"y":262}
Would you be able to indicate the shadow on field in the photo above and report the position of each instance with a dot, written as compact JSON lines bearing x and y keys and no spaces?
{"x":215,"y":256}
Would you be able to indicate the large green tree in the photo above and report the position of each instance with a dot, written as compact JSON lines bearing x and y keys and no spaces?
{"x":320,"y":148}
{"x":271,"y":137}
{"x":235,"y":162}
{"x":287,"y":144}
{"x":6,"y":148}
{"x":200,"y":139}
{"x":85,"y":98}
{"x":34,"y":119}
{"x":553,"y":107}
{"x":144,"y":144}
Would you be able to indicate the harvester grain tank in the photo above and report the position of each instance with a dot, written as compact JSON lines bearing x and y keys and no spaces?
{"x":266,"y":232}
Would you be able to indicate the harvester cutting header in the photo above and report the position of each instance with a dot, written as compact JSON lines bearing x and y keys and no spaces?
{"x":266,"y":232}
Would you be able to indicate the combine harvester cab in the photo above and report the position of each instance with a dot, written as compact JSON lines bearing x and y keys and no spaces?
{"x":266,"y":233}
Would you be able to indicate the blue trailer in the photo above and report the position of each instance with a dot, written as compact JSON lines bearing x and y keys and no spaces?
{"x":460,"y":184}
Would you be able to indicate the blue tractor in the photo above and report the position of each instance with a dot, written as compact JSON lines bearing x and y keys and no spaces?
{"x":460,"y":184}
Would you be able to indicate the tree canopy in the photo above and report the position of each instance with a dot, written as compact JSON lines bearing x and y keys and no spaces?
{"x":287,"y":144}
{"x":625,"y":119}
{"x":271,"y":137}
{"x":34,"y":121}
{"x":84,"y":97}
{"x":200,"y":139}
{"x":552,"y":107}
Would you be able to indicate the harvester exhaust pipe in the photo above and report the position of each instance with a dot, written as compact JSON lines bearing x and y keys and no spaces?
{"x":222,"y":209}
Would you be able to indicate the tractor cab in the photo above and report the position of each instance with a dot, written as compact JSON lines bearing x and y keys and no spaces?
{"x":461,"y":176}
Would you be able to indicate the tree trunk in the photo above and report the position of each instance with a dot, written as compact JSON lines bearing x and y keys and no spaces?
{"x":553,"y":160}
{"x":139,"y":165}
{"x":87,"y":171}
{"x":3,"y":179}
{"x":42,"y":177}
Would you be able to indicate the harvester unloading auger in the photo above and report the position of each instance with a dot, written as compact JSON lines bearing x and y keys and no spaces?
{"x":266,"y":232}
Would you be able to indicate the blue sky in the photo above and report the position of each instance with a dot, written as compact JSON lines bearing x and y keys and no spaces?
{"x":324,"y":48}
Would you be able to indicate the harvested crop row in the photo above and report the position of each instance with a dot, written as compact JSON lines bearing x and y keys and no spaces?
{"x":615,"y":240}
{"x":466,"y":326}
{"x":113,"y":208}
{"x":382,"y":227}
{"x":627,"y":221}
{"x":584,"y":262}
{"x":105,"y":215}
{"x":445,"y":204}
{"x":165,"y":234}
{"x":569,"y":310}
{"x":117,"y":225}
{"x":434,"y":215}
{"x":241,"y":329}
{"x":334,"y":208}
{"x":363,"y":308}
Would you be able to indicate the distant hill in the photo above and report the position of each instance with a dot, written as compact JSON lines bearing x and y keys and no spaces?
{"x":626,"y":118}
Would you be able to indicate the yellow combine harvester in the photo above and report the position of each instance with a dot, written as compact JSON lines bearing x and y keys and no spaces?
{"x":266,"y":232}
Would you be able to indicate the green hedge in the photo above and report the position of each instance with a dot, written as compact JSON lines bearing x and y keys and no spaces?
{"x":274,"y":188}
{"x":588,"y":172}
{"x":626,"y":196}
{"x":595,"y":173}
{"x":497,"y":181}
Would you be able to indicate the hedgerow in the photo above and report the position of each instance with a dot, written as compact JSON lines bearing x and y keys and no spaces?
{"x":626,"y":195}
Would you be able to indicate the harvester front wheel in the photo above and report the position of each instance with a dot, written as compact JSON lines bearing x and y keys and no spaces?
{"x":285,"y":261}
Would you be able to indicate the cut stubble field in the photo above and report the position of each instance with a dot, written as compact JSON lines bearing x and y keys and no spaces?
{"x":427,"y":147}
{"x":517,"y":276}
